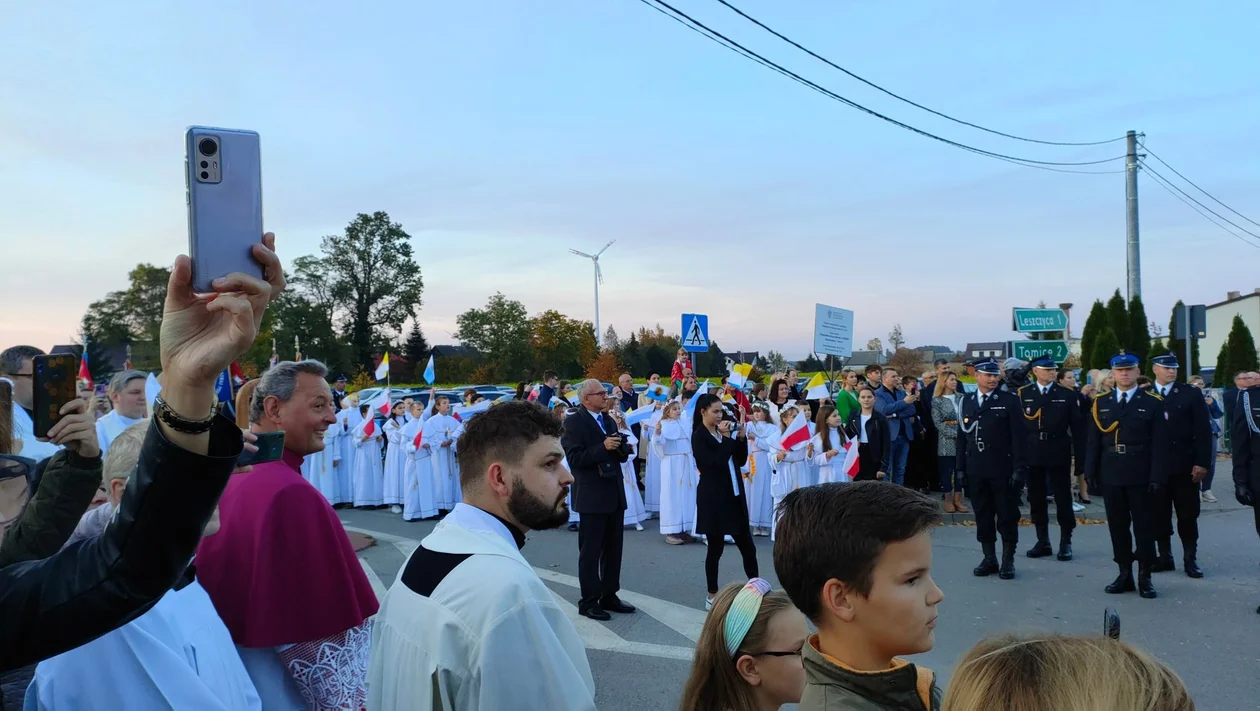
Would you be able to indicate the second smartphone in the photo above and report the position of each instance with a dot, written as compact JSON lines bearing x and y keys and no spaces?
{"x":224,"y":180}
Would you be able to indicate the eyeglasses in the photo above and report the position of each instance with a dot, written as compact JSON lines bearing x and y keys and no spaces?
{"x":795,"y":653}
{"x":16,"y":477}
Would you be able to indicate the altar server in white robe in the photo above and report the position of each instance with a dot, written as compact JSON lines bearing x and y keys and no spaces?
{"x":671,"y":439}
{"x":763,"y":436}
{"x":178,"y":655}
{"x":651,"y":474}
{"x":420,"y":490}
{"x":348,"y":420}
{"x":828,"y":446}
{"x":395,"y":458}
{"x":369,"y":474}
{"x":321,"y":468}
{"x":126,"y":394}
{"x":439,"y":439}
{"x":791,"y":466}
{"x":635,"y":514}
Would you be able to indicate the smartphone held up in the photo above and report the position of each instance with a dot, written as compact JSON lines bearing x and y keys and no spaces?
{"x":223,"y":177}
{"x":54,"y":384}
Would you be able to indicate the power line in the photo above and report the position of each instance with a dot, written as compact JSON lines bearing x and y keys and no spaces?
{"x":898,"y":97}
{"x":736,"y":47}
{"x":1179,"y":175}
{"x":1159,"y":180}
{"x":1196,"y":201}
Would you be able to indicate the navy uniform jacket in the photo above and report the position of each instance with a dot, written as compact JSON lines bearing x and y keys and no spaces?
{"x":995,"y":447}
{"x":1183,"y":435}
{"x":1246,"y":440}
{"x":1055,"y":424}
{"x":1119,"y":448}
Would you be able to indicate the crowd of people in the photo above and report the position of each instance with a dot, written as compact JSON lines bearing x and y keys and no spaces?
{"x":141,"y":567}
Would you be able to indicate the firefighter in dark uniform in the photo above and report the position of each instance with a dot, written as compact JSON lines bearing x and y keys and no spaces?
{"x":1183,"y":447}
{"x":339,"y":392}
{"x":1120,"y":462}
{"x":991,"y":438}
{"x":1245,"y":433}
{"x":1056,"y":432}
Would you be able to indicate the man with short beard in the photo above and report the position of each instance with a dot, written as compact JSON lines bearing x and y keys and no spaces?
{"x":468,"y":624}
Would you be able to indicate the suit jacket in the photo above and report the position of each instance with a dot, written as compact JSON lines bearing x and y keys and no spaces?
{"x":1183,"y":435}
{"x":1131,"y":427}
{"x":1055,"y":424}
{"x":1247,"y":442}
{"x":597,"y":487}
{"x":899,"y":413}
{"x":719,"y":510}
{"x":878,"y":444}
{"x":995,"y":448}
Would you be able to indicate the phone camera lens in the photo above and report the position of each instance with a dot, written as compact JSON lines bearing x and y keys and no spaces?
{"x":205,"y":164}
{"x":205,"y":175}
{"x":208,"y":147}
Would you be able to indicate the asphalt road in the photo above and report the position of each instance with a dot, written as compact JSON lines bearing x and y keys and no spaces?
{"x":1207,"y":630}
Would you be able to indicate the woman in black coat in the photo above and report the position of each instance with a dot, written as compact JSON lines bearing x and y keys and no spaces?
{"x":871,"y":430}
{"x":720,"y":450}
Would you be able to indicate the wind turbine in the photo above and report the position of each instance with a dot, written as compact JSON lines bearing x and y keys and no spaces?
{"x":599,"y":279}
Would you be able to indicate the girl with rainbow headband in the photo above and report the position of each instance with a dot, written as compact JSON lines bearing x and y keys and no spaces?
{"x":748,"y":657}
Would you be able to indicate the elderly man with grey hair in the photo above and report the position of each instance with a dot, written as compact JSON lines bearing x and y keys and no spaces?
{"x":595,"y":452}
{"x":126,"y":393}
{"x":282,"y":573}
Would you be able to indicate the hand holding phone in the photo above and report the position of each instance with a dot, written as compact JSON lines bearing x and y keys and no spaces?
{"x":268,"y":447}
{"x":54,"y":384}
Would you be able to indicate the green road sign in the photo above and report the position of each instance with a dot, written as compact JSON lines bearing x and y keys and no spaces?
{"x":1038,"y":320}
{"x":1030,"y":350}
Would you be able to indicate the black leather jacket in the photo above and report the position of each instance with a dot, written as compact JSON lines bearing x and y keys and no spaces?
{"x":92,"y":587}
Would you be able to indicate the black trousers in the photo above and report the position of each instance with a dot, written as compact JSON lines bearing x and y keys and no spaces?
{"x":713,"y":556}
{"x":1060,"y":480}
{"x":1183,"y":495}
{"x":599,"y":557}
{"x":1127,"y":505}
{"x":993,"y":501}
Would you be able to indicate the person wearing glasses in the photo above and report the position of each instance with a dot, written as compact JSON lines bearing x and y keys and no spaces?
{"x":91,"y":587}
{"x":595,"y":451}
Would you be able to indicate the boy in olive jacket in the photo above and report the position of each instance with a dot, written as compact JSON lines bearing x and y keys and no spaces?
{"x":856,"y":559}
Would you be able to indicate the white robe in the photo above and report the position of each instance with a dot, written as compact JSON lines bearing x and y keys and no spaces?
{"x":678,"y":477}
{"x":178,"y":655}
{"x":24,"y":430}
{"x":789,"y":475}
{"x":438,"y":429}
{"x":395,"y":462}
{"x":419,"y":491}
{"x":652,"y":466}
{"x":574,"y":516}
{"x":368,"y":472}
{"x":348,"y":420}
{"x":829,"y":470}
{"x":634,"y":513}
{"x":758,"y":473}
{"x":318,"y":467}
{"x":110,"y":426}
{"x":490,"y":635}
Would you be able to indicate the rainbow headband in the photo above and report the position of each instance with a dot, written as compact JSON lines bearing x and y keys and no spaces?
{"x":744,"y":609}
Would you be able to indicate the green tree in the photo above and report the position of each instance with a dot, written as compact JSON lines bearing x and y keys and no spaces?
{"x":501,"y":333}
{"x":711,"y":363}
{"x":297,"y":318}
{"x":1223,"y":374}
{"x":1139,"y":330}
{"x":372,"y":279}
{"x":1242,"y":347}
{"x":416,"y":349}
{"x":1106,"y":346}
{"x":811,"y":364}
{"x":1177,"y":346}
{"x":634,"y":357}
{"x":1118,"y":320}
{"x":659,"y":360}
{"x":777,"y":363}
{"x":562,"y":344}
{"x":98,"y":361}
{"x":1157,"y":349}
{"x":132,"y":314}
{"x":611,"y":340}
{"x":1093,"y":326}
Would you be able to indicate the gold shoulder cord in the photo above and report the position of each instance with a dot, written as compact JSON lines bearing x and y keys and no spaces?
{"x":1115,"y":426}
{"x":1033,"y":417}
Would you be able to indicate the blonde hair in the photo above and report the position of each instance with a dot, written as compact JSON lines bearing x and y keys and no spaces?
{"x":1062,"y":673}
{"x":124,"y":452}
{"x":715,"y":684}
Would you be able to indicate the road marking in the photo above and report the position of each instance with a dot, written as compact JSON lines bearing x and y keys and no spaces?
{"x":684,"y":620}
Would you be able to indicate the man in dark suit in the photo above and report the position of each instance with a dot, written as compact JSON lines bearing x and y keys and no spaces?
{"x":1245,"y":429}
{"x":1183,"y":446}
{"x":595,"y":452}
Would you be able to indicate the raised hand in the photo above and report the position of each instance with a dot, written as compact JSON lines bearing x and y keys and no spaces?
{"x":76,"y":430}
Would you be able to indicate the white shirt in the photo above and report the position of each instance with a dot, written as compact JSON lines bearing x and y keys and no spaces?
{"x":110,"y":426}
{"x":862,"y":428}
{"x":24,"y":430}
{"x":1163,"y":389}
{"x":1123,"y":396}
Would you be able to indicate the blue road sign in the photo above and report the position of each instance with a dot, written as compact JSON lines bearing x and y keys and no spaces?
{"x":695,"y":333}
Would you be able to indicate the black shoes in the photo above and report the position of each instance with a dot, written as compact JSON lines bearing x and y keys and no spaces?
{"x":1065,"y":547}
{"x":1007,"y":571}
{"x":1041,"y":550}
{"x":1145,"y":588}
{"x":1164,"y":561}
{"x":614,"y":604}
{"x":1190,"y":563}
{"x":595,"y":613}
{"x":989,"y":565}
{"x":1123,"y":582}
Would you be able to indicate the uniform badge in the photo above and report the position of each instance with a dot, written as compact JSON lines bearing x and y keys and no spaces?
{"x":1165,"y":415}
{"x":966,"y":420}
{"x":1030,"y":410}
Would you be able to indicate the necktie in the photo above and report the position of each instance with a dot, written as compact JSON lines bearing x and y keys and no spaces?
{"x":1124,"y":399}
{"x":1045,"y":390}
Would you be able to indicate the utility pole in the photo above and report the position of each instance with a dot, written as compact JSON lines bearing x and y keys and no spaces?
{"x":1134,"y":259}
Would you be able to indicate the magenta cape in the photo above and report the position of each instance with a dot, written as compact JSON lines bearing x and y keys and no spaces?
{"x":281,"y":569}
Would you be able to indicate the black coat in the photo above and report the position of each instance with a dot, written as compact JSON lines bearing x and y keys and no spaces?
{"x":719,"y":511}
{"x":878,"y":446}
{"x":1183,"y":435}
{"x":597,"y":487}
{"x":1055,"y":424}
{"x":995,"y":448}
{"x":1132,"y":428}
{"x":1247,"y":442}
{"x":95,"y":586}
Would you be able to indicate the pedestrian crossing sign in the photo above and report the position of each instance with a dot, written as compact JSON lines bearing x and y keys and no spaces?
{"x":695,"y":333}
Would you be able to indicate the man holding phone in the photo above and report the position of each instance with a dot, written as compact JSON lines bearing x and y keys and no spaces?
{"x":126,"y":394}
{"x":17,"y":365}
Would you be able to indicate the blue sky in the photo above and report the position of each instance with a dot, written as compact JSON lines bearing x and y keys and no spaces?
{"x":500,"y":133}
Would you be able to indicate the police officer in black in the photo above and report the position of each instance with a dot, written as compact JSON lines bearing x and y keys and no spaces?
{"x":339,"y":392}
{"x":1183,"y":447}
{"x":1120,"y":462}
{"x":1245,"y":433}
{"x":1056,"y":431}
{"x":991,"y":438}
